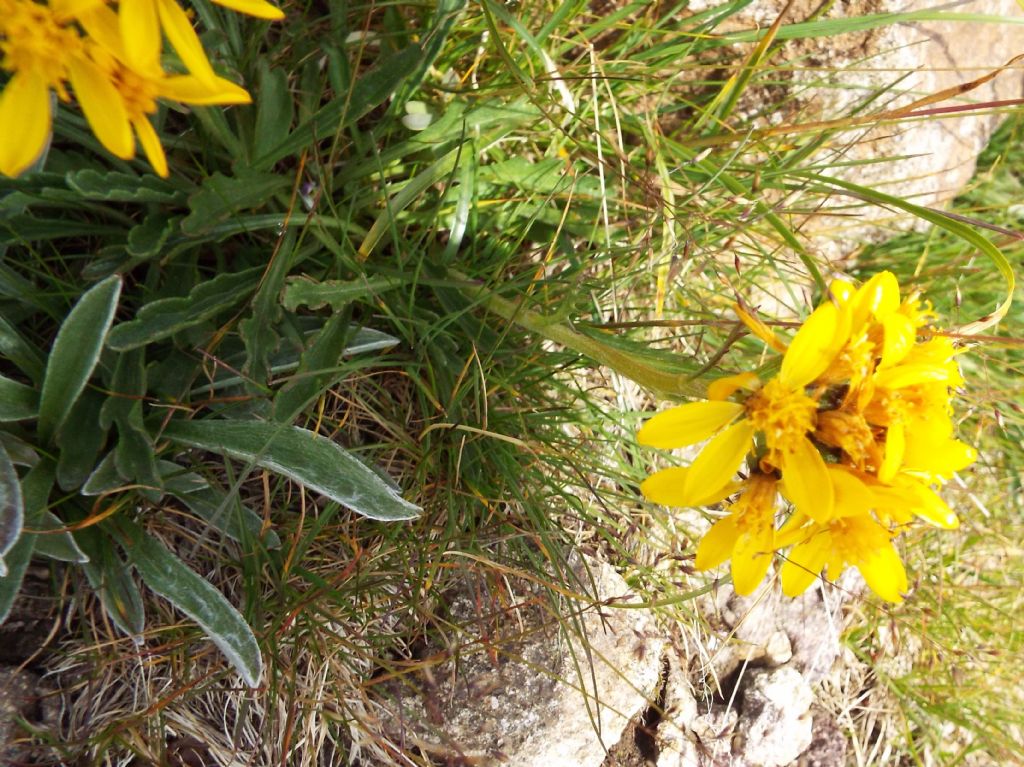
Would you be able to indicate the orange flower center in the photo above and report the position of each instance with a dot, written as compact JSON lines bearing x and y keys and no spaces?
{"x":850,"y":433}
{"x":139,"y":93}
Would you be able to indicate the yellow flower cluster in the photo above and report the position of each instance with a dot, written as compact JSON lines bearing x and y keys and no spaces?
{"x":111,"y":59}
{"x":855,"y":432}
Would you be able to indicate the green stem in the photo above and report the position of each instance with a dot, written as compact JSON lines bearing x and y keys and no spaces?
{"x":623,"y":363}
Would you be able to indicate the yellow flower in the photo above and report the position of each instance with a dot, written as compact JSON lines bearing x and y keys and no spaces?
{"x":746,"y":536}
{"x":141,"y":22}
{"x":780,"y":411}
{"x":857,"y":541}
{"x":37,"y":45}
{"x":117,"y":99}
{"x":847,"y":539}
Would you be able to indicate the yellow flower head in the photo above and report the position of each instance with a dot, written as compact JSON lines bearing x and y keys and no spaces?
{"x":37,"y":46}
{"x":781,"y":413}
{"x":857,"y":541}
{"x":854,"y":431}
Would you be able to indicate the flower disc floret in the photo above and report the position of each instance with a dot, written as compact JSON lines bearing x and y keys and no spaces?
{"x":783,"y":415}
{"x":36,"y":40}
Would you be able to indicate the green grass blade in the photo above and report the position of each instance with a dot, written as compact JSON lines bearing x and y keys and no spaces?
{"x":371,"y":89}
{"x":957,"y":228}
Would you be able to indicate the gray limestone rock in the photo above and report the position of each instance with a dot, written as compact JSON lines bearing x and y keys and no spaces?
{"x":523,"y":691}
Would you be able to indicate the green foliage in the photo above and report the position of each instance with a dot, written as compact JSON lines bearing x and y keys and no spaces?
{"x":101,"y":412}
{"x":320,"y":299}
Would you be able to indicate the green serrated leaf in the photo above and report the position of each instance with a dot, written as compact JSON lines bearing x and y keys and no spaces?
{"x":75,"y":353}
{"x":112,"y":581}
{"x":17,"y":401}
{"x":169,"y":577}
{"x":222,"y":196}
{"x":35,"y":493}
{"x":146,"y":240}
{"x":305,"y":457}
{"x":229,"y":515}
{"x":302,"y":291}
{"x":55,"y":542}
{"x":161,"y":319}
{"x":80,"y":440}
{"x":12,"y":507}
{"x":372,"y":88}
{"x":362,"y":341}
{"x":122,"y":187}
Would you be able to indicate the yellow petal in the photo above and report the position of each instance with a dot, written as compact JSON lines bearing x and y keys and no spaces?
{"x":665,"y":487}
{"x":852,"y":496}
{"x":878,"y":296}
{"x":895,"y":446}
{"x":901,"y":376}
{"x":183,"y":37}
{"x":716,"y":546}
{"x":759,"y":329}
{"x":140,"y":33}
{"x":883,"y":571}
{"x":718,"y":461}
{"x":24,"y":121}
{"x":724,"y":388}
{"x":927,"y":504}
{"x":938,"y":458}
{"x":751,"y":556}
{"x":899,"y":335}
{"x":804,"y":562}
{"x":841,"y":290}
{"x":813,"y":347}
{"x":893,"y":504}
{"x":103,"y":107}
{"x":687,"y":424}
{"x":806,"y":481}
{"x":103,"y":26}
{"x":189,"y":89}
{"x":257,"y":8}
{"x":151,"y":145}
{"x":792,"y":530}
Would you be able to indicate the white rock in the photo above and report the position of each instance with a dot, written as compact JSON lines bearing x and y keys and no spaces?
{"x":779,"y":649}
{"x":926,"y":160}
{"x":775,"y":726}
